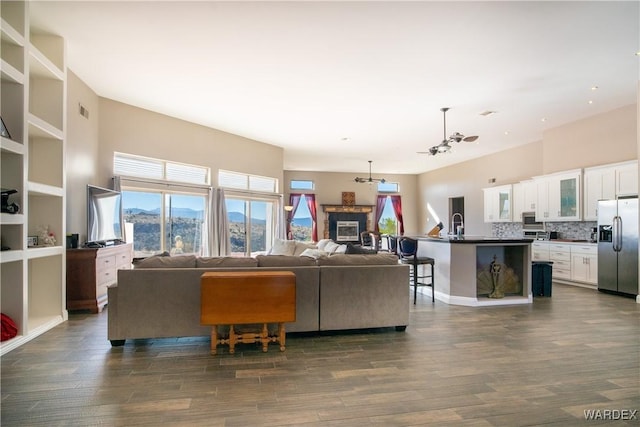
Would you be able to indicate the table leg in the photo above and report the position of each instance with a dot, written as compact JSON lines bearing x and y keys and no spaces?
{"x":232,"y":340}
{"x":214,"y":338}
{"x":264,"y":337}
{"x":281,"y":335}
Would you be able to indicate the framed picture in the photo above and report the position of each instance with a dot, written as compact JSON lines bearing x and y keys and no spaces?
{"x":3,"y":129}
{"x":32,"y":241}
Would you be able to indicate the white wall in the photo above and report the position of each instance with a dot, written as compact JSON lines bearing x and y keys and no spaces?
{"x":81,"y":152}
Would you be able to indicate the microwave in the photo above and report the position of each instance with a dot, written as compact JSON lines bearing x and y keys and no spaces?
{"x":529,"y":222}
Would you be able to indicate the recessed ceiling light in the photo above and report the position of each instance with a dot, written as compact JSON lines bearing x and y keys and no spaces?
{"x":590,"y":102}
{"x":488,"y":113}
{"x":506,"y":132}
{"x":346,"y":138}
{"x":594,"y":88}
{"x":544,"y":119}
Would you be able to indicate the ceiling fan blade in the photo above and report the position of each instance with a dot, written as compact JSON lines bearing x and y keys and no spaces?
{"x":470,"y":138}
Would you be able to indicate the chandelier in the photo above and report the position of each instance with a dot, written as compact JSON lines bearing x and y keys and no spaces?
{"x":370,"y":180}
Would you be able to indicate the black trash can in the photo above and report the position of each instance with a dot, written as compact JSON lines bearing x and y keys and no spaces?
{"x":541,"y":278}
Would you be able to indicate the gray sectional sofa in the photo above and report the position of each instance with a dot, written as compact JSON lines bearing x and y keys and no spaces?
{"x":160,"y":297}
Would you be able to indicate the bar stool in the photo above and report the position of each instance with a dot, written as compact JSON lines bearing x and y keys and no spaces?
{"x":408,"y":249}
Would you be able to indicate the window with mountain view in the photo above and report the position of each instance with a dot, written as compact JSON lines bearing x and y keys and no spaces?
{"x":163,"y":221}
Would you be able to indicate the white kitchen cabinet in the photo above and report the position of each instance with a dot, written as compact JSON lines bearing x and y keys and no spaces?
{"x":607,"y":182}
{"x":497,"y":203}
{"x":560,"y":255}
{"x":559,"y":196}
{"x":584,"y":264}
{"x":540,"y":251}
{"x":525,"y":195}
{"x":627,"y":179}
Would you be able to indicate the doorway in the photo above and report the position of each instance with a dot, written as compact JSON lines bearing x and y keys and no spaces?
{"x":456,"y":206}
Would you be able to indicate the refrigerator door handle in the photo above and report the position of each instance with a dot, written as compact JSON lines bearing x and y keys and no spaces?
{"x":617,"y":234}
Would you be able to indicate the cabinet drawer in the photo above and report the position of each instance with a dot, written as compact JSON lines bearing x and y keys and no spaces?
{"x":560,"y":256}
{"x":106,"y":262}
{"x":587,"y":250}
{"x":560,"y":273}
{"x":123,"y":262}
{"x":562,"y":265}
{"x":541,"y":256}
{"x":559,"y":248}
{"x":106,"y":276}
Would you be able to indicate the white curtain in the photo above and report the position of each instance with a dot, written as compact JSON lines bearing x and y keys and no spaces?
{"x":217,"y":226}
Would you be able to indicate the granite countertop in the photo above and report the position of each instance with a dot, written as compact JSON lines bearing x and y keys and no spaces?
{"x":475,"y":239}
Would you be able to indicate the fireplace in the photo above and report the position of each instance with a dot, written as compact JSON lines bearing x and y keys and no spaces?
{"x":351,"y":220}
{"x":347,"y":231}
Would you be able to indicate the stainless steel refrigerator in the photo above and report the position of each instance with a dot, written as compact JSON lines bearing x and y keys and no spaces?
{"x":618,"y":246}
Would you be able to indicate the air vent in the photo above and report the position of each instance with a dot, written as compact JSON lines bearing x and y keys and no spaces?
{"x":488,"y":113}
{"x":83,"y":111}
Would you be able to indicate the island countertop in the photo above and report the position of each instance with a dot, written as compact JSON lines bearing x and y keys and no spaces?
{"x":472,"y":239}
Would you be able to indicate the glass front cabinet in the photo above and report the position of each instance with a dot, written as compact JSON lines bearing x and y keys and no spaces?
{"x":559,"y":197}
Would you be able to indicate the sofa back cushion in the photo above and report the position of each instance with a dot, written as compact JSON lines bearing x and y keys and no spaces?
{"x":163,"y":261}
{"x":225,"y":261}
{"x":284,"y":261}
{"x":359,"y":259}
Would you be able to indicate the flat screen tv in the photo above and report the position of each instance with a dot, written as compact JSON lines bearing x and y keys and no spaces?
{"x":104,"y":217}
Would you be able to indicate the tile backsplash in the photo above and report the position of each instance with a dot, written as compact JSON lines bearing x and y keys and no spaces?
{"x":578,"y":230}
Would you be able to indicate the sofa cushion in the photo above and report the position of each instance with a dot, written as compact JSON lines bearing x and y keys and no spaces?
{"x":283,"y":247}
{"x":359,"y":259}
{"x":163,"y":261}
{"x":301,"y":247}
{"x":225,"y":261}
{"x":284,"y":261}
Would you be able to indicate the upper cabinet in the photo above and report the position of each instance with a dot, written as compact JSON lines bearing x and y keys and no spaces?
{"x":559,"y":196}
{"x":497,"y":203}
{"x":606,"y":183}
{"x":525,"y":198}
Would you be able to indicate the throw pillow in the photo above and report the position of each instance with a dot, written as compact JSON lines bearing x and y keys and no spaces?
{"x":330,"y":247}
{"x":283,"y":247}
{"x":322,"y":243}
{"x":301,"y":247}
{"x":314,"y":253}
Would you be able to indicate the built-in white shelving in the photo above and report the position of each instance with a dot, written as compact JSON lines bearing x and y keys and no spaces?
{"x":33,"y":108}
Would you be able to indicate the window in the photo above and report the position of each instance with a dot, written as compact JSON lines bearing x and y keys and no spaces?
{"x":252,"y":224}
{"x":164,"y":204}
{"x":388,"y":187}
{"x":302,"y":222}
{"x":252,"y":213}
{"x":300,"y":184}
{"x":162,"y":170}
{"x":389,"y":214}
{"x":388,"y":223}
{"x":164,"y":221}
{"x":242,"y":181}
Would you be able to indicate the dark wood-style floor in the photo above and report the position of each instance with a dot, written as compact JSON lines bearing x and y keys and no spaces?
{"x":543,"y":364}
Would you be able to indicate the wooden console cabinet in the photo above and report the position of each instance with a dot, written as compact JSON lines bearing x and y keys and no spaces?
{"x":90,"y":271}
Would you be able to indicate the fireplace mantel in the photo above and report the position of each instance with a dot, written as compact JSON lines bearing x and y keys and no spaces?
{"x":348,"y":209}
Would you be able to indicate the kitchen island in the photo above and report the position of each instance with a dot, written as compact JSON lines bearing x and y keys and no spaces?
{"x":480,"y":271}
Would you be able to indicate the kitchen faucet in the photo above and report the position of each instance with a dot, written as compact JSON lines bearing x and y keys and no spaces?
{"x":453,"y":220}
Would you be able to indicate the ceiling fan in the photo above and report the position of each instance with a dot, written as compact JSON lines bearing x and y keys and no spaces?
{"x":370,"y":180}
{"x":445,"y":145}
